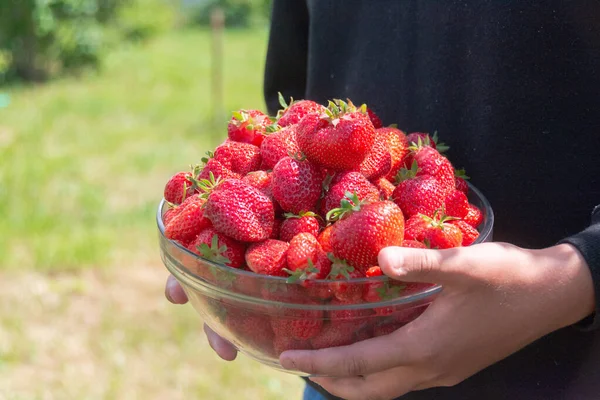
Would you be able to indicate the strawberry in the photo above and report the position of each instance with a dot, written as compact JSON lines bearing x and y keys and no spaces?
{"x":296,"y":184}
{"x":284,"y":343}
{"x":377,"y":291}
{"x":426,"y":140}
{"x":460,"y":181}
{"x":357,"y":318}
{"x":374,"y":271}
{"x":240,"y":211}
{"x":252,"y":329}
{"x":248,"y":126}
{"x":430,"y":162}
{"x":299,"y":324}
{"x":189,"y":221}
{"x":262,"y":180}
{"x":324,"y":239}
{"x":378,"y":161}
{"x":386,"y":328}
{"x":414,"y":244}
{"x":219,"y":248}
{"x":415,"y":226}
{"x":469,"y":234}
{"x":268,"y":257}
{"x":440,"y":234}
{"x":277,"y":145}
{"x":398,"y":148}
{"x":375,"y":120}
{"x":353,"y":182}
{"x":419,"y":195}
{"x":332,"y":336}
{"x":474,"y":217}
{"x":218,"y":169}
{"x":275,"y":234}
{"x":386,"y":188}
{"x":295,"y":224}
{"x":317,"y":290}
{"x":302,"y":253}
{"x":362,"y":230}
{"x":339,"y":140}
{"x":456,"y":204}
{"x":179,"y":187}
{"x":340,"y":273}
{"x":294,"y":112}
{"x":242,"y":157}
{"x":171,"y":212}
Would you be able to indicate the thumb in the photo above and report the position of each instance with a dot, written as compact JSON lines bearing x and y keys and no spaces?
{"x":444,"y":267}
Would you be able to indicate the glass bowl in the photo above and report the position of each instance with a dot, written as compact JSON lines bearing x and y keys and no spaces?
{"x":264,"y":315}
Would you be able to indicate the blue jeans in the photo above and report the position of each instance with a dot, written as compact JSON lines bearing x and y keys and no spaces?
{"x":311,"y":394}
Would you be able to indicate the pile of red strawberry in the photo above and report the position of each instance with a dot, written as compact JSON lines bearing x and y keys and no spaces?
{"x":316,"y":193}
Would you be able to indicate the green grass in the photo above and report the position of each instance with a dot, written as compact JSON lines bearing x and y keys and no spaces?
{"x":84,"y":161}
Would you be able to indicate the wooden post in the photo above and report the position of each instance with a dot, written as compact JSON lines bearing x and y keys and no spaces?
{"x":217,"y":22}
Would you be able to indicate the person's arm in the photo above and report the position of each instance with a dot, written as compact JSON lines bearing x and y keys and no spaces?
{"x":588,"y":244}
{"x":285,"y":69}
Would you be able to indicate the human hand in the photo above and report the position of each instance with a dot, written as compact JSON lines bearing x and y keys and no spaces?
{"x":175,"y":294}
{"x":496,"y":299}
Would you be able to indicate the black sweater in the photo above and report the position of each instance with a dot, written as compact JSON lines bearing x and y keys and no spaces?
{"x":513,"y":87}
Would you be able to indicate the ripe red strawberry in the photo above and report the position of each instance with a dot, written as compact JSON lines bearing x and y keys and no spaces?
{"x":363,"y":230}
{"x":302,"y":252}
{"x":374,"y":118}
{"x":170,"y":214}
{"x":440,"y":234}
{"x":374,"y":271}
{"x":317,"y":290}
{"x":474,"y":217}
{"x":262,"y":180}
{"x":324,"y":239}
{"x":276,"y":229}
{"x":268,"y":257}
{"x":456,"y":204}
{"x":240,"y":211}
{"x":294,"y":112}
{"x":248,"y":126}
{"x":179,"y":187}
{"x":219,"y":248}
{"x":386,"y":188}
{"x":295,"y":224}
{"x":349,"y":319}
{"x":460,"y":180}
{"x":414,"y":244}
{"x":378,"y":291}
{"x":218,"y":170}
{"x":243,"y":157}
{"x":296,"y":184}
{"x":298,"y":324}
{"x":252,"y":329}
{"x":340,"y":273}
{"x":430,"y":162}
{"x":277,"y":145}
{"x":415,"y":226}
{"x":419,"y":195}
{"x":340,"y":141}
{"x":386,"y":328}
{"x":427,"y":140}
{"x":284,"y":343}
{"x":353,"y":182}
{"x":189,"y":221}
{"x":332,"y":336}
{"x":469,"y":234}
{"x":398,"y":147}
{"x":378,"y":161}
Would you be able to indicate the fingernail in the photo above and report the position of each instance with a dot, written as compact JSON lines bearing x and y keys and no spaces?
{"x":287,"y":362}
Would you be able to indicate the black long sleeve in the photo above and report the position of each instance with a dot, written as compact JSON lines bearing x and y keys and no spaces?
{"x":514,"y":88}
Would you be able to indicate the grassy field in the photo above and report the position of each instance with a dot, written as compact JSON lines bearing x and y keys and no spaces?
{"x":82,"y":166}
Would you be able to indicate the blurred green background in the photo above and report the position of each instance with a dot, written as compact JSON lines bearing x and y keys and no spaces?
{"x":101,"y":101}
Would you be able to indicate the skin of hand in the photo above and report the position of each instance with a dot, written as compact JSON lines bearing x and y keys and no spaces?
{"x":496,"y":299}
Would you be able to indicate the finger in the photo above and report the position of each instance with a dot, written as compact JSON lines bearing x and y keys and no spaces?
{"x":174,"y":292}
{"x":362,"y":358}
{"x":222,"y":347}
{"x":385,"y":385}
{"x":444,"y":267}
